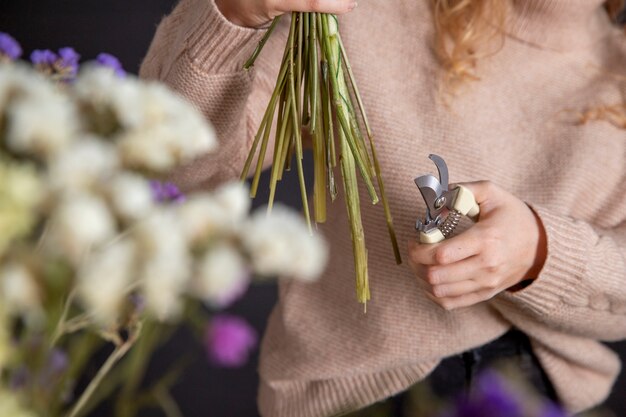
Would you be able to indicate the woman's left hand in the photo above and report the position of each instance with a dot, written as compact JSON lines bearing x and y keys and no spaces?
{"x":506,"y":246}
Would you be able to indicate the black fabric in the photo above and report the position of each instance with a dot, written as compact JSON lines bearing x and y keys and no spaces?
{"x":456,"y":375}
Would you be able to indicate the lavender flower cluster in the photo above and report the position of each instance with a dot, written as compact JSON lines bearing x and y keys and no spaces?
{"x":63,"y":65}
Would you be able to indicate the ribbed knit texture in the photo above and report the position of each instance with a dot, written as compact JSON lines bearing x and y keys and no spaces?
{"x":321,"y":355}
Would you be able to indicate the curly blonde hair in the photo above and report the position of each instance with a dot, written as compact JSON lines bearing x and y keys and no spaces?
{"x":468,"y":30}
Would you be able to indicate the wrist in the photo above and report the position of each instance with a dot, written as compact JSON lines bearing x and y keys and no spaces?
{"x":231,"y":10}
{"x":541,"y":249}
{"x":225,"y":8}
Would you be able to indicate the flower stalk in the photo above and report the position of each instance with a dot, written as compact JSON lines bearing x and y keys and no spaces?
{"x":316,"y":98}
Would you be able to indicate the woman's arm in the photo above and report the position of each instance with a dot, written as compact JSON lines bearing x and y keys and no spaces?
{"x":200,"y":53}
{"x":574,"y":274}
{"x":582,"y":286}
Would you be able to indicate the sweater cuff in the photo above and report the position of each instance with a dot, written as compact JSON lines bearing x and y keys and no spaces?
{"x":217,"y":45}
{"x":569,"y":242}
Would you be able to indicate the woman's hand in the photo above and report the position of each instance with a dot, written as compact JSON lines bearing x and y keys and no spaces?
{"x":505,"y":247}
{"x":257,"y":13}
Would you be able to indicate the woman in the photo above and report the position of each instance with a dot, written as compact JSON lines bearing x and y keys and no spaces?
{"x":547,"y":257}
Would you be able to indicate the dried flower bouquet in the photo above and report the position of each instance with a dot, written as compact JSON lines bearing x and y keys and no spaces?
{"x":316,"y":91}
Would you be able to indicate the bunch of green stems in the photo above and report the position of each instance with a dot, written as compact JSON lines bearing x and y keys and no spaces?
{"x":312,"y":96}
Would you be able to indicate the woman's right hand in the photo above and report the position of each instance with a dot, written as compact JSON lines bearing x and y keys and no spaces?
{"x":258,"y":13}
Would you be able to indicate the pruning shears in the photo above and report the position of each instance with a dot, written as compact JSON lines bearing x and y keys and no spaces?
{"x":456,"y":202}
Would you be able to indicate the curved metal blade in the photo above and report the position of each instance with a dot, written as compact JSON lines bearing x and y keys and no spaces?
{"x":442,"y":168}
{"x":431,"y":190}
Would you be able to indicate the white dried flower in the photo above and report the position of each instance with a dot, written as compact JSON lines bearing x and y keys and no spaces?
{"x":201,"y":217}
{"x":158,"y":128}
{"x":10,"y":404}
{"x":103,"y":281}
{"x":20,"y":194}
{"x":107,"y":94}
{"x":163,"y":285}
{"x":166,"y":267}
{"x":18,"y":289}
{"x":234,"y":198}
{"x":148,"y":148}
{"x":206,"y":215}
{"x":40,"y":119}
{"x":164,"y":145}
{"x":131,"y":196}
{"x":83,"y":164}
{"x":280,"y":244}
{"x":80,"y":222}
{"x":222,"y":276}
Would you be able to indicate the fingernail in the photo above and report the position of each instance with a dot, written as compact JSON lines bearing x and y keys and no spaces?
{"x":354,"y":5}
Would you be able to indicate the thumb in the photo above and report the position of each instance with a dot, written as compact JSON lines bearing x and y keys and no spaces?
{"x":485,"y":192}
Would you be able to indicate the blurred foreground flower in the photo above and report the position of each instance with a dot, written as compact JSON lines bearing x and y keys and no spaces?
{"x":229,"y":341}
{"x":10,"y":405}
{"x":96,"y":247}
{"x":279,"y":243}
{"x":20,"y":195}
{"x":493,"y":395}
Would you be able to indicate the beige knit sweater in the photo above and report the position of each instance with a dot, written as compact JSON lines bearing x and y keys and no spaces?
{"x":321,"y":355}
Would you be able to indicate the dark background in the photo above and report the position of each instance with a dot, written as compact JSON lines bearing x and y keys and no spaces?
{"x":124,"y":28}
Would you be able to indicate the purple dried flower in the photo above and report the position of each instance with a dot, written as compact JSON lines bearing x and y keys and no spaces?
{"x":9,"y":47}
{"x":496,"y":396}
{"x":491,"y":397}
{"x":166,"y":191}
{"x":64,"y":65}
{"x":139,"y":302}
{"x":110,"y":61}
{"x":229,"y":340}
{"x":68,"y":62}
{"x":57,"y":362}
{"x":43,"y":58}
{"x":19,"y":378}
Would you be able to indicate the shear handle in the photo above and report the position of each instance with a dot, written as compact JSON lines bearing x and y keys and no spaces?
{"x":465,"y":203}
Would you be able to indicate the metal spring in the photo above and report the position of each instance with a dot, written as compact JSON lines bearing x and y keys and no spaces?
{"x":451,"y":222}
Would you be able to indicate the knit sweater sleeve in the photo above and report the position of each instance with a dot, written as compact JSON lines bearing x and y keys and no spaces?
{"x":582,"y":286}
{"x":200,"y":54}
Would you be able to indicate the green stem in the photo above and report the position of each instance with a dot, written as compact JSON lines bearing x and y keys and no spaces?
{"x":281,"y":126}
{"x":313,"y":63}
{"x":350,"y":185}
{"x":355,"y":88}
{"x":327,"y":126}
{"x":319,"y":186}
{"x":339,"y":92}
{"x":59,"y":330}
{"x":266,"y":135}
{"x":250,"y":62}
{"x":297,"y":134}
{"x":167,"y":403}
{"x":381,"y":186}
{"x":285,"y":154}
{"x":111,"y":361}
{"x":266,"y":123}
{"x":306,"y":73}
